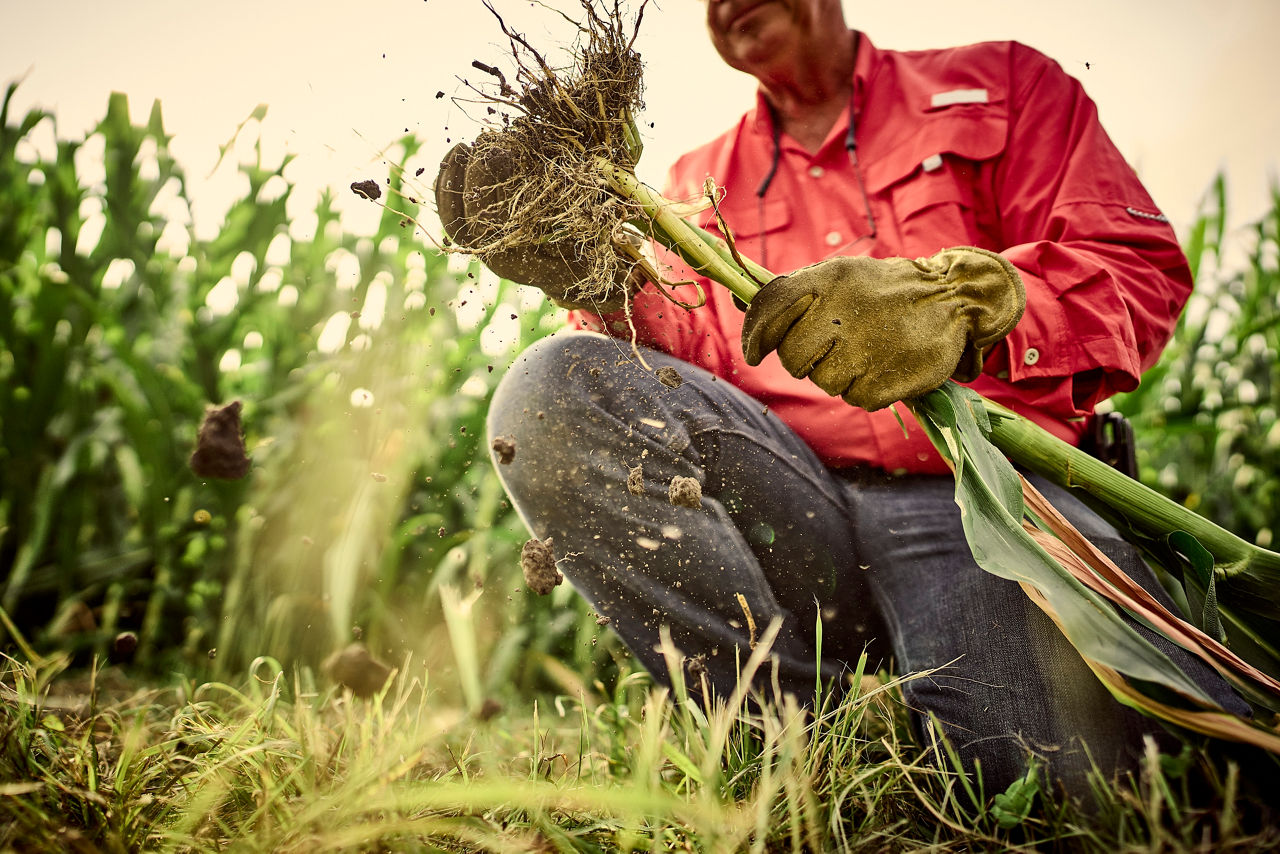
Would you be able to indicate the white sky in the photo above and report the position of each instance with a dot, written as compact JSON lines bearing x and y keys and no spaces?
{"x":1184,"y":86}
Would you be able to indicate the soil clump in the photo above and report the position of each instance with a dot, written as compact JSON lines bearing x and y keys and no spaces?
{"x":538,"y":563}
{"x":685,"y":492}
{"x":220,"y":451}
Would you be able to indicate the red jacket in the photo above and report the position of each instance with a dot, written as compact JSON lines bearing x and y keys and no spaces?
{"x":989,"y":145}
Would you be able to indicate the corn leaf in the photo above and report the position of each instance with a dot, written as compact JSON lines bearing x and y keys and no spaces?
{"x":989,"y":493}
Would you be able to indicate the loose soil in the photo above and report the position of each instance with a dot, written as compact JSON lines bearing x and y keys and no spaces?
{"x":504,"y":449}
{"x":538,"y":563}
{"x":355,"y":667}
{"x":368,"y":189}
{"x":669,"y":377}
{"x":635,"y":480}
{"x":685,"y":492}
{"x":220,"y":451}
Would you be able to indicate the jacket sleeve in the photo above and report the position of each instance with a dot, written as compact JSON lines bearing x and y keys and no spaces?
{"x":1105,"y":276}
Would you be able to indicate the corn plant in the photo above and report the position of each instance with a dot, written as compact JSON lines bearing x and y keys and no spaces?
{"x":105,"y":365}
{"x":1206,"y":415}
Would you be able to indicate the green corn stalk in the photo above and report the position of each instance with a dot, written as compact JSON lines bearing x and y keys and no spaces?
{"x":979,"y":438}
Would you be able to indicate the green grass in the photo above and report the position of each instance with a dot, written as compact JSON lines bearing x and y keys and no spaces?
{"x":277,"y":762}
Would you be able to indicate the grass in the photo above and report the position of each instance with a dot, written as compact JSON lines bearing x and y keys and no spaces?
{"x":277,"y":762}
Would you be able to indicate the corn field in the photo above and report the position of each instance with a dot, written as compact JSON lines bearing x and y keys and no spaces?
{"x":363,"y":365}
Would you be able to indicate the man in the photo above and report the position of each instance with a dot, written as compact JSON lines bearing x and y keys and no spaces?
{"x":1045,"y":276}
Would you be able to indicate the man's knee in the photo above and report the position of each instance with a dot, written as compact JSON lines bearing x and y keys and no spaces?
{"x":543,"y":378}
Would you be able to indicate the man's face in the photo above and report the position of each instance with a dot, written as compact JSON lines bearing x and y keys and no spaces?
{"x":752,"y":34}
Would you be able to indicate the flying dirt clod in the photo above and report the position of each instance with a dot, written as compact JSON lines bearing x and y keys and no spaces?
{"x":635,"y":480}
{"x":685,"y":492}
{"x":504,"y":449}
{"x":538,"y":563}
{"x":669,"y":377}
{"x":355,"y":667}
{"x":220,"y":451}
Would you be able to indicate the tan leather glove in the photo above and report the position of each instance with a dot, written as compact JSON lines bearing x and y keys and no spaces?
{"x":875,"y":331}
{"x":471,"y":198}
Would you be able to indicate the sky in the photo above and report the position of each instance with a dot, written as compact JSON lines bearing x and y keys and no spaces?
{"x":1184,"y":87}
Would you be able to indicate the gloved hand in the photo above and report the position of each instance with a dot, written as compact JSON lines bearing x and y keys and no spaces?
{"x":471,"y":197}
{"x":875,"y":331}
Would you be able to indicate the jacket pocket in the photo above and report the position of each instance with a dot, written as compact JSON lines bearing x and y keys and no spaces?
{"x":937,"y":182}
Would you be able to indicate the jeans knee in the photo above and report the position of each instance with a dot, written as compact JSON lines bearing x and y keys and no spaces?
{"x":542,"y":380}
{"x":549,"y":425}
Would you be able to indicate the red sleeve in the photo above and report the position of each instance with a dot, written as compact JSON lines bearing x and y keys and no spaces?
{"x":1104,"y":273}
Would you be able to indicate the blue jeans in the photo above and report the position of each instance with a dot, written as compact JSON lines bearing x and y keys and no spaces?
{"x":882,"y":561}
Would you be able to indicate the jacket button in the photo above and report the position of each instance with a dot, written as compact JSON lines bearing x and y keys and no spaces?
{"x":1031,"y":356}
{"x":815,"y":171}
{"x":833,"y":238}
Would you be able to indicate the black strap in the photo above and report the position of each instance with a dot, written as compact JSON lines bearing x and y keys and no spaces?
{"x":1110,"y":438}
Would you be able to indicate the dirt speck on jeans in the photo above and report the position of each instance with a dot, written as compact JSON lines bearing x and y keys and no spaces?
{"x":538,"y":563}
{"x":504,"y":448}
{"x":635,"y":480}
{"x":220,"y":451}
{"x":669,"y":377}
{"x":685,"y":492}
